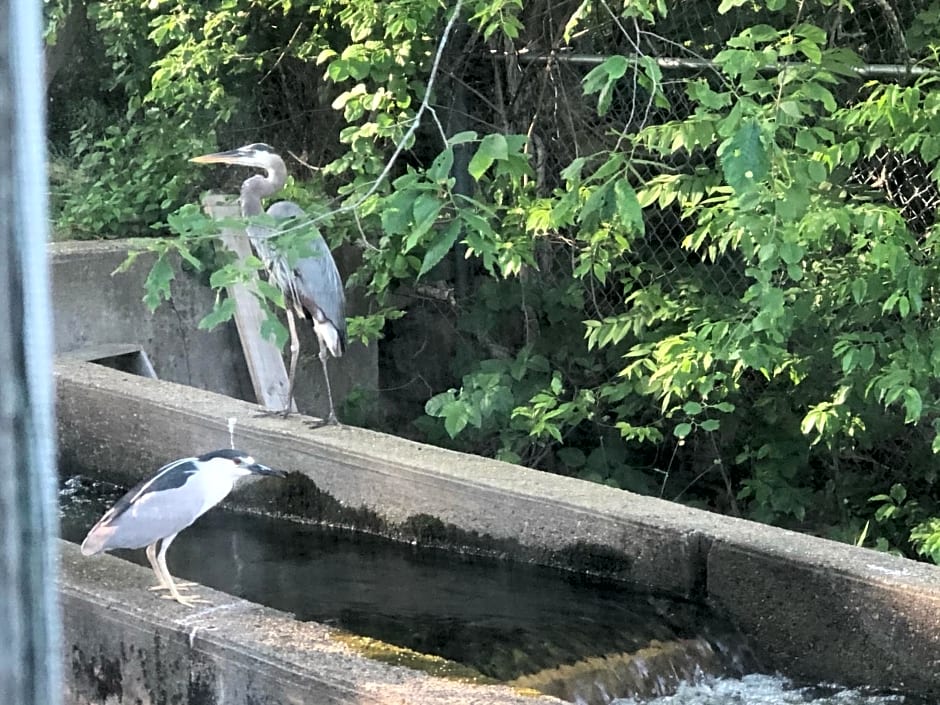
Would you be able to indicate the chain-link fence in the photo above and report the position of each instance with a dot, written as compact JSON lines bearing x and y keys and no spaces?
{"x":535,"y":88}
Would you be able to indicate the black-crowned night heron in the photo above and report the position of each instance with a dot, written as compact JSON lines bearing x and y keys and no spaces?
{"x":157,"y":509}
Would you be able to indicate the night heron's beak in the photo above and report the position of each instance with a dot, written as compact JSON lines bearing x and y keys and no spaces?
{"x":259,"y":469}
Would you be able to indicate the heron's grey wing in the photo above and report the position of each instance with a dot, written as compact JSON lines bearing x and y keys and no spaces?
{"x":317,"y":283}
{"x":120,"y":527}
{"x":282,"y":210}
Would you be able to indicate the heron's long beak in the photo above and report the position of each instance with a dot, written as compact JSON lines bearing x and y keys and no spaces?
{"x":233,"y":156}
{"x":259,"y":469}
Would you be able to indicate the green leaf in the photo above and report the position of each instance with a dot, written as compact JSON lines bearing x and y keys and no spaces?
{"x":223,"y":311}
{"x":189,"y":257}
{"x":744,"y":159}
{"x":456,"y":416}
{"x":859,"y":287}
{"x":628,"y":207}
{"x":710,"y":425}
{"x":602,"y":79}
{"x":692,"y":408}
{"x":435,"y":405}
{"x":491,"y":148}
{"x":157,"y":285}
{"x":682,"y":430}
{"x":727,"y":5}
{"x":572,"y":172}
{"x":128,"y":262}
{"x":226,"y":276}
{"x":272,"y":329}
{"x":440,"y":247}
{"x":791,"y":252}
{"x":913,"y":405}
{"x":270,"y":292}
{"x":898,"y":493}
{"x":462,"y":138}
{"x":441,"y":167}
{"x":425,"y":211}
{"x":397,"y":211}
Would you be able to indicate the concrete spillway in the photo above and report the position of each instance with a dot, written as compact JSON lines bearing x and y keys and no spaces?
{"x":812,"y":608}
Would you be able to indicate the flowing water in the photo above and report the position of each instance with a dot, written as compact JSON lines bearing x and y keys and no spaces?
{"x":581,"y":639}
{"x":757,"y":689}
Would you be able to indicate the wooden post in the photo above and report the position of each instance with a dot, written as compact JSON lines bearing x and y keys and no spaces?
{"x":29,"y":615}
{"x":265,"y":361}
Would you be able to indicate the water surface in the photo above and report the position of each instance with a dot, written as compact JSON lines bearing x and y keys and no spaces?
{"x":503,"y":619}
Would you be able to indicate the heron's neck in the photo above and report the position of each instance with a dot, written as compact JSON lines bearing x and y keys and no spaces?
{"x":259,"y":187}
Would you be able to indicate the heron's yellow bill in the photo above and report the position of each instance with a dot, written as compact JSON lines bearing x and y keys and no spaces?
{"x":216,"y":158}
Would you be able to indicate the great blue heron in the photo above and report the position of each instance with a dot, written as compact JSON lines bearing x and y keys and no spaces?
{"x":312,"y":285}
{"x":156,"y":510}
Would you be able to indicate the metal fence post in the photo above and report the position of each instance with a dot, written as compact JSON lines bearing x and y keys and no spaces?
{"x":30,"y":649}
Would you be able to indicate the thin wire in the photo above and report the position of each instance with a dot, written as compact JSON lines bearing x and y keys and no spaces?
{"x":400,"y":147}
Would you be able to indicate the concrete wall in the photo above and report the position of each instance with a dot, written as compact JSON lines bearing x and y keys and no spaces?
{"x":93,"y":308}
{"x":812,"y":608}
{"x":126,"y":647}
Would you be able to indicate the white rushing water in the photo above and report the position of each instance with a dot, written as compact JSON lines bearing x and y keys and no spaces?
{"x":762,"y":690}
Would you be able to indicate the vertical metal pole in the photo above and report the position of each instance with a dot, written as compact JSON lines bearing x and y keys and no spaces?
{"x":30,"y":650}
{"x":458,"y":120}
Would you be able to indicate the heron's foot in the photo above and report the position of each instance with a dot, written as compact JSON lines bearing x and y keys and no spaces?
{"x":186,"y":600}
{"x":330,"y":420}
{"x":185,"y":585}
{"x":269,"y":413}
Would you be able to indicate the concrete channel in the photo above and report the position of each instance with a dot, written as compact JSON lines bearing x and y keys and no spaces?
{"x":813,"y":609}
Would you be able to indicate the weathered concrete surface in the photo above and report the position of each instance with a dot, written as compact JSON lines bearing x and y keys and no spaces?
{"x":829,"y":610}
{"x":92,"y":308}
{"x":813,"y":608}
{"x":126,"y":646}
{"x":652,"y":542}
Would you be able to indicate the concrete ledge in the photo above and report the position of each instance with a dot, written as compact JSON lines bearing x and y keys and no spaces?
{"x":812,"y":608}
{"x":124,"y":645}
{"x":93,"y":308}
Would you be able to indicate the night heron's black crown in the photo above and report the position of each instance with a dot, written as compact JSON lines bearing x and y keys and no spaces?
{"x":227,"y":453}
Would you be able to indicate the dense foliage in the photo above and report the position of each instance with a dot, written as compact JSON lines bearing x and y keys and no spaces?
{"x":701,"y":284}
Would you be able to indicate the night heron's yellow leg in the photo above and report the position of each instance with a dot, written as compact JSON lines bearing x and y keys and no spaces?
{"x":152,"y":559}
{"x":167,"y":579}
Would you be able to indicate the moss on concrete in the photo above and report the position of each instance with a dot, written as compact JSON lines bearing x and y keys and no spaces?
{"x":400,"y":656}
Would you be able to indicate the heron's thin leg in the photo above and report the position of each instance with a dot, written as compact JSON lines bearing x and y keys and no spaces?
{"x":187,"y":600}
{"x":152,"y":559}
{"x":294,"y":354}
{"x":326,"y":376}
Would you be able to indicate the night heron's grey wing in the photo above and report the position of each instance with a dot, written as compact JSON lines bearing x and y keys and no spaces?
{"x":151,"y":510}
